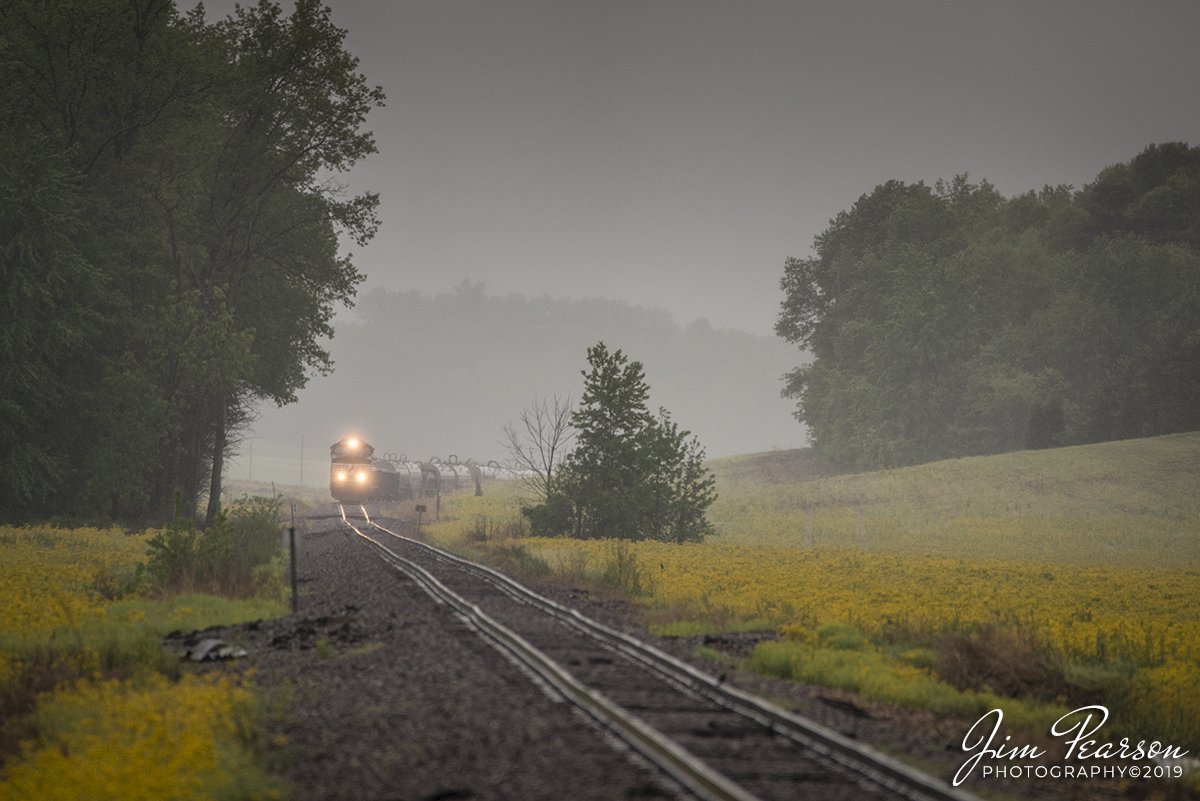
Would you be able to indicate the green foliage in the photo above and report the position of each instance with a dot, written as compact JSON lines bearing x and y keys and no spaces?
{"x":840,"y":636}
{"x":622,"y":570}
{"x":877,"y":677}
{"x":225,"y":557}
{"x":950,"y":321}
{"x":551,"y":517}
{"x":44,"y":313}
{"x":631,"y":475}
{"x":168,"y":240}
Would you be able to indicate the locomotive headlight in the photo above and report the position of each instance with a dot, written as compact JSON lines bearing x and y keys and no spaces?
{"x":362,"y":477}
{"x":341,"y":476}
{"x":352,"y":443}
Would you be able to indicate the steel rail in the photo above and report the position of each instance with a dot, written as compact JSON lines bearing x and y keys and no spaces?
{"x":865,"y":761}
{"x":655,"y":746}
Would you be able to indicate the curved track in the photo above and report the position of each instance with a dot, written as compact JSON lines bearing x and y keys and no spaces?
{"x":716,"y":740}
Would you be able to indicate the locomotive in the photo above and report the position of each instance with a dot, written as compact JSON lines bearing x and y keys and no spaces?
{"x":355,"y":474}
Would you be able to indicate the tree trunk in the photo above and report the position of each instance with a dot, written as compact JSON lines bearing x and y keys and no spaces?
{"x":218,"y":459}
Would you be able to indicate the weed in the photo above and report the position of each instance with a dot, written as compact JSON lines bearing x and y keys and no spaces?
{"x":998,"y":660}
{"x":484,"y":529}
{"x":622,"y":570}
{"x":875,"y":676}
{"x":478,"y":531}
{"x":840,"y":636}
{"x":516,"y":559}
{"x":368,"y":648}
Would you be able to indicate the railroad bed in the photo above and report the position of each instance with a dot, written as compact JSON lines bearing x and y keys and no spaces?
{"x":714,"y":740}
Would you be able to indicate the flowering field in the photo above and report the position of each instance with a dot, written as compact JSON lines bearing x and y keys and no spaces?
{"x":1088,"y":613}
{"x":81,"y":666}
{"x":150,"y":741}
{"x":1144,"y":615}
{"x":54,"y":579}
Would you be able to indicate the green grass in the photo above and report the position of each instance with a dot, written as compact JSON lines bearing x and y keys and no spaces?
{"x":876,"y":676}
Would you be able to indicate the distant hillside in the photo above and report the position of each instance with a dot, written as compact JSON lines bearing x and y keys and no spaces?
{"x":772,"y":467}
{"x":1157,"y":477}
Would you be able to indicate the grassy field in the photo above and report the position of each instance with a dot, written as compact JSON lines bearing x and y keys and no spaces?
{"x":1134,"y":502}
{"x":1030,"y":581}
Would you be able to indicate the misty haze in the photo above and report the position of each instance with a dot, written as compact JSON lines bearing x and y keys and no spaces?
{"x":434,"y":375}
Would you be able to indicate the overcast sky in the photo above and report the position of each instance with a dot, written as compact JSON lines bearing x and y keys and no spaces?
{"x":674,"y":154}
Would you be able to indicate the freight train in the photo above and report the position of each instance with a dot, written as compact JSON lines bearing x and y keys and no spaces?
{"x":355,"y":475}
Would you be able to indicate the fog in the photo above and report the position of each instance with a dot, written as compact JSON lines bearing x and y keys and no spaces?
{"x":436,"y":375}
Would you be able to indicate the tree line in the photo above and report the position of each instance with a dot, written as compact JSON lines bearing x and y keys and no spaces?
{"x":169,"y":223}
{"x":948,"y":321}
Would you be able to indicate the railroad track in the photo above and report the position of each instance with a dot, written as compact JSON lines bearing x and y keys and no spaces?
{"x":719,"y":742}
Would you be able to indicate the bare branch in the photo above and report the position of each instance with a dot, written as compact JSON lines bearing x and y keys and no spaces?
{"x":543,"y":444}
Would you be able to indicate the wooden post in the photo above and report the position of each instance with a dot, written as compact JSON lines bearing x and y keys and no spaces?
{"x":292,"y":548}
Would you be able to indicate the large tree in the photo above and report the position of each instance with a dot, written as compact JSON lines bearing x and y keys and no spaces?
{"x":190,"y":173}
{"x":949,"y":321}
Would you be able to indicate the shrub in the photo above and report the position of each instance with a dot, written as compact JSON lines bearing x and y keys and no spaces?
{"x":996,"y":660}
{"x":521,"y":560}
{"x":841,"y":637}
{"x":225,"y":557}
{"x":552,"y":518}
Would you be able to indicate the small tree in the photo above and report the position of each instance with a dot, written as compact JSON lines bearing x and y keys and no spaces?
{"x":631,"y":476}
{"x":541,"y":449}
